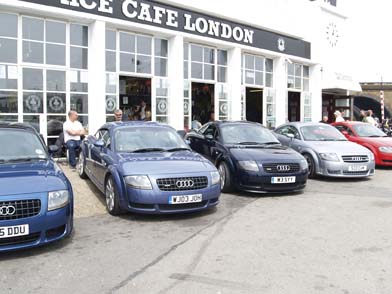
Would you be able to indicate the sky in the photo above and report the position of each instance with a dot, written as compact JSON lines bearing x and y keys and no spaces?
{"x":369,"y":39}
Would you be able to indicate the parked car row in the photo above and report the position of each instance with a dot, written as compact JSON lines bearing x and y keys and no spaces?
{"x":147,"y":167}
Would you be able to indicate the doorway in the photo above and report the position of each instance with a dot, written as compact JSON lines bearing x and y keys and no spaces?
{"x":254,"y":105}
{"x":203,"y":102}
{"x":294,"y":106}
{"x":135,"y":98}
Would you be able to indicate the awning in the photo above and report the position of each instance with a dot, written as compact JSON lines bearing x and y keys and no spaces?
{"x":338,"y":83}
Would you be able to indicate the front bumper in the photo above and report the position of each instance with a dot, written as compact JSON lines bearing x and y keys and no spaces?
{"x":156,"y":201}
{"x":384,"y":159}
{"x":342,"y":169}
{"x":262,"y":182}
{"x":44,"y":228}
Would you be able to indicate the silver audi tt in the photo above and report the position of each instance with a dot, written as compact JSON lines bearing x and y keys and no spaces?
{"x":327,"y":151}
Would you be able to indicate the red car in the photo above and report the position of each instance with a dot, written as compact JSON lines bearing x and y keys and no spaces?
{"x":370,"y":137}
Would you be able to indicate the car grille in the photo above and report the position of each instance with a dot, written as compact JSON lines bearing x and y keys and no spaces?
{"x":355,"y":158}
{"x":182,"y":206}
{"x":182,"y":184}
{"x":23,"y":209}
{"x":20,"y":240}
{"x":281,"y":168}
{"x":355,"y":173}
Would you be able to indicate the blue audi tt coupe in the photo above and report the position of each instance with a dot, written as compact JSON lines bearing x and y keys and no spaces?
{"x":147,"y":167}
{"x":36,"y":200}
{"x":249,"y":157}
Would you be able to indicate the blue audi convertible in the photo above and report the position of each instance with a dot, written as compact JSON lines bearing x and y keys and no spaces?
{"x":36,"y":200}
{"x":147,"y":167}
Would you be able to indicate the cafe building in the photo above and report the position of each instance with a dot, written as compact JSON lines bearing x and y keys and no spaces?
{"x":167,"y":61}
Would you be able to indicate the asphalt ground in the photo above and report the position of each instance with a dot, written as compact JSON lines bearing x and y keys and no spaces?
{"x":335,"y":237}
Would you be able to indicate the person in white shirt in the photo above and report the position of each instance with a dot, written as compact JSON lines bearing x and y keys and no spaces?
{"x":72,"y":129}
{"x":338,"y":116}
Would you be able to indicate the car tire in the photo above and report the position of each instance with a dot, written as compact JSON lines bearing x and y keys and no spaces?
{"x":311,"y":166}
{"x":111,"y":197}
{"x":81,"y":166}
{"x":226,"y":182}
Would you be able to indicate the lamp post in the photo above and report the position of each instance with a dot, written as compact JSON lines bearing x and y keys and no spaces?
{"x":382,"y":100}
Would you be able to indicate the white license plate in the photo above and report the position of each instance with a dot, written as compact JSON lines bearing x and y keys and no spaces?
{"x":357,"y":168}
{"x":14,"y":231}
{"x":282,"y":180}
{"x":185,"y":199}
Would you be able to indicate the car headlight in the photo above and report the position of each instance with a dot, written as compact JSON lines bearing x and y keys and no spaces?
{"x":303,"y":164}
{"x":249,"y":165}
{"x":385,"y":149}
{"x":57,"y":199}
{"x":329,"y":156}
{"x":215,"y":178}
{"x":371,"y":156}
{"x":139,"y":182}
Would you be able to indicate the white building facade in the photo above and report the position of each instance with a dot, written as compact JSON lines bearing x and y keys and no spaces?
{"x":177,"y":60}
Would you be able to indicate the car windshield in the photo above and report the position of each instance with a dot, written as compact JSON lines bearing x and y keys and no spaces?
{"x":145,"y":139}
{"x":19,"y":146}
{"x":366,"y":130}
{"x":321,"y":133}
{"x":247,"y":134}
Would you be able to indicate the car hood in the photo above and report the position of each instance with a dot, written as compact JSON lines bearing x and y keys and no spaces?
{"x":376,"y":141}
{"x":30,"y":178}
{"x":273,"y":154}
{"x":339,"y":147}
{"x":164,"y":163}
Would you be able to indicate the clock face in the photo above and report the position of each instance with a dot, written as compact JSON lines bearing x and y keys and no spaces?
{"x":332,"y":34}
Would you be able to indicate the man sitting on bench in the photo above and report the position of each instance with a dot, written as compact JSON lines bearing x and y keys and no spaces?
{"x":72,"y":129}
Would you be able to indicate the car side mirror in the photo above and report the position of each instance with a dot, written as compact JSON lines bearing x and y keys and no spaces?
{"x":53,"y":149}
{"x":209,"y":137}
{"x":291,"y":136}
{"x":345,"y":133}
{"x":99,"y":144}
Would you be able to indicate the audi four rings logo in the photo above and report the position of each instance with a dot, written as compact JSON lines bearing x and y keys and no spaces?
{"x":7,"y":210}
{"x":356,"y":158}
{"x":185,"y":184}
{"x":283,"y":168}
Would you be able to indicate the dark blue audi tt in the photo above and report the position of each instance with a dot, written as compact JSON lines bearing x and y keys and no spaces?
{"x":147,"y":167}
{"x":36,"y":200}
{"x":249,"y":157}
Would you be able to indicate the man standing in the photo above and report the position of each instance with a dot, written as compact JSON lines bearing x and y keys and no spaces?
{"x":72,"y":129}
{"x":118,"y":115}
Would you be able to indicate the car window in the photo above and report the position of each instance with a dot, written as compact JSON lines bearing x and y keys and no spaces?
{"x":106,"y":137}
{"x":367,"y":130}
{"x":321,"y":132}
{"x":289,"y":130}
{"x":211,"y":130}
{"x":131,"y":139}
{"x":18,"y":144}
{"x":345,"y":129}
{"x":246,"y":133}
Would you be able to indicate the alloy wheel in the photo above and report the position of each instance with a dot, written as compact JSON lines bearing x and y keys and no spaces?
{"x":80,"y":165}
{"x":222,"y":173}
{"x":109,"y":193}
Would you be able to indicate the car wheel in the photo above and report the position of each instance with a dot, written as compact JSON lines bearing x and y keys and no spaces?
{"x":82,"y":166}
{"x":111,"y":197}
{"x":311,"y":166}
{"x":226,"y":184}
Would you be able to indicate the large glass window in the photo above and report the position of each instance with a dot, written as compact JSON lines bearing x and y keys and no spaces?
{"x":161,"y":57}
{"x":79,"y":46}
{"x":135,"y":53}
{"x":8,"y":38}
{"x":257,"y":70}
{"x":297,"y":76}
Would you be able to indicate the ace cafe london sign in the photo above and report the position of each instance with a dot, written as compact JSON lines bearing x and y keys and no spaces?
{"x":175,"y":18}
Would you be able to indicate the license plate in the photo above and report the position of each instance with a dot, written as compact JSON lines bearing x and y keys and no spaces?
{"x":14,"y":231}
{"x":282,"y":180}
{"x":356,"y":168}
{"x":185,"y":199}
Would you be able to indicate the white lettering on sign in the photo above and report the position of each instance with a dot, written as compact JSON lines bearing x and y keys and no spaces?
{"x":149,"y":12}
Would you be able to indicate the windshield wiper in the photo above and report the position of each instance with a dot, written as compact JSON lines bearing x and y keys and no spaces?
{"x":25,"y":159}
{"x":145,"y":150}
{"x":249,"y":143}
{"x":271,"y":143}
{"x":178,"y":149}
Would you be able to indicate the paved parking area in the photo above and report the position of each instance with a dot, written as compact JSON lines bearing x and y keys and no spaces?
{"x":336,"y":237}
